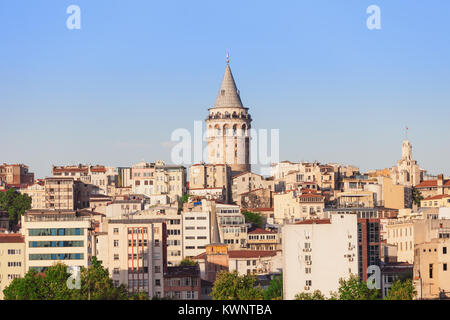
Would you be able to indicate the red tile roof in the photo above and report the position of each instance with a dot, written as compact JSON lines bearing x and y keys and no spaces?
{"x":240,"y":254}
{"x":315,"y":221}
{"x":440,"y":196}
{"x":432,"y":183}
{"x":260,"y":231}
{"x":11,"y":238}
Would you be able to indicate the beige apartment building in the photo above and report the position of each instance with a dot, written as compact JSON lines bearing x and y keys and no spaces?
{"x":438,"y":201}
{"x":66,"y":194}
{"x":248,"y":181}
{"x":12,"y":259}
{"x":430,"y":188}
{"x":210,"y":176}
{"x":431,"y":268}
{"x":174,"y":229}
{"x":53,"y":236}
{"x":155,"y":179}
{"x":408,"y":233}
{"x":261,"y":239}
{"x":289,"y":175}
{"x":134,"y":251}
{"x":293,"y":206}
{"x":37,"y":193}
{"x":99,"y":176}
{"x":357,"y":199}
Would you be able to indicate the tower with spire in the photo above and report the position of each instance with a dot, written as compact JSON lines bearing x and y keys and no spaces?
{"x":227,"y":126}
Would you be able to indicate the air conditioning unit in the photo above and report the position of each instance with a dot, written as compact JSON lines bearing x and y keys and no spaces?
{"x":350,"y":259}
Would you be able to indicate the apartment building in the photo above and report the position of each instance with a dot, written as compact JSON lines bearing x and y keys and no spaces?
{"x":293,"y":205}
{"x":431,"y":268}
{"x":217,"y":257}
{"x":438,"y":201}
{"x":174,"y":229}
{"x":120,"y":207}
{"x":157,"y":178}
{"x":66,"y":194}
{"x":317,"y":253}
{"x":261,"y":239}
{"x":196,"y":233}
{"x":53,"y":236}
{"x":12,"y":259}
{"x":99,"y":176}
{"x":368,"y":230}
{"x":248,"y":181}
{"x":210,"y":176}
{"x":406,"y":234}
{"x":232,"y":226}
{"x":136,"y":253}
{"x":15,"y":174}
{"x":37,"y":193}
{"x":258,"y":198}
{"x":430,"y":188}
{"x":288,"y":175}
{"x":182,"y":283}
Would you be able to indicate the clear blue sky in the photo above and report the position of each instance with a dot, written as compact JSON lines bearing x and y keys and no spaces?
{"x":112,"y":92}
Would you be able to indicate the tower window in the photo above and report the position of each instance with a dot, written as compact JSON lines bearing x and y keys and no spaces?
{"x":222,"y":92}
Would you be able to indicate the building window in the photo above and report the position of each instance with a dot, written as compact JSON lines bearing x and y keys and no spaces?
{"x":444,"y":250}
{"x":116,"y":243}
{"x":445,"y":267}
{"x":431,"y":271}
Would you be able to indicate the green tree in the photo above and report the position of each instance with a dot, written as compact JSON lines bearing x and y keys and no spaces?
{"x":188,"y":262}
{"x":97,"y":285}
{"x":401,"y":290}
{"x":52,"y":285}
{"x":251,"y":217}
{"x":141,"y":295}
{"x":232,"y":286}
{"x":355,"y":289}
{"x":15,"y":204}
{"x":417,"y":196}
{"x":275,"y":289}
{"x":30,"y":287}
{"x":184,"y":198}
{"x":316,"y":295}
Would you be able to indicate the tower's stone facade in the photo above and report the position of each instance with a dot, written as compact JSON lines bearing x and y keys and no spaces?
{"x":227,"y":126}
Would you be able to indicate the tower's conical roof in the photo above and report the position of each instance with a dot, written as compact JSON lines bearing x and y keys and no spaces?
{"x":228,"y":96}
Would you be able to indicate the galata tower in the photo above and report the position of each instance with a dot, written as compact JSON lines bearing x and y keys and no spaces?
{"x":227,"y":126}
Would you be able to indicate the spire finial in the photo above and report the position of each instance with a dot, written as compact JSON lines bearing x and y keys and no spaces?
{"x":228,"y":57}
{"x":406,"y":133}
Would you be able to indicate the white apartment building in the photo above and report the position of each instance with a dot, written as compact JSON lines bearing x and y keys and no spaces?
{"x":57,"y":236}
{"x":196,"y":231}
{"x":317,"y":253}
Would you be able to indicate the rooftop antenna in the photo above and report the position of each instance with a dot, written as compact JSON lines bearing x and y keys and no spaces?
{"x":406,"y":133}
